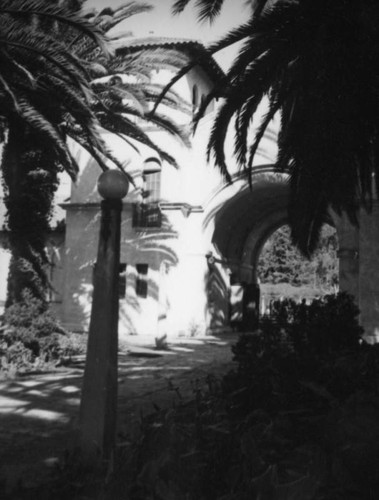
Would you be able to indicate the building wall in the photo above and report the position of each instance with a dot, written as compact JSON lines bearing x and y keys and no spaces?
{"x":185,"y":293}
{"x":177,"y":273}
{"x":177,"y":300}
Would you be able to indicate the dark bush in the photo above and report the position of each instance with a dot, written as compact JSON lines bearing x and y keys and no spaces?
{"x":327,"y":324}
{"x":295,"y":420}
{"x":307,"y":370}
{"x":31,"y":336}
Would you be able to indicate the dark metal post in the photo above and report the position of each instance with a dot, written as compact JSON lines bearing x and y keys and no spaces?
{"x":250,"y":307}
{"x":98,"y":409}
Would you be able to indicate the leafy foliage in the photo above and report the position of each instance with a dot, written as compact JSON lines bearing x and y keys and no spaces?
{"x":31,"y":338}
{"x":117,"y":97}
{"x":312,"y":63}
{"x":30,"y":179}
{"x":44,"y":92}
{"x":286,"y":423}
{"x":210,"y":9}
{"x":326,"y":325}
{"x":41,"y":82}
{"x":122,"y":83}
{"x":281,"y":262}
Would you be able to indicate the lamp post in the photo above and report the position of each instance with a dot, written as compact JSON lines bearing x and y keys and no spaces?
{"x":98,"y":408}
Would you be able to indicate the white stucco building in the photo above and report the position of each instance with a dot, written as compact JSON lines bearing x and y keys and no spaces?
{"x":190,"y":241}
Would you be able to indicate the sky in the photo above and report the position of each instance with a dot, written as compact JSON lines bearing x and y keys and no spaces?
{"x":160,"y":22}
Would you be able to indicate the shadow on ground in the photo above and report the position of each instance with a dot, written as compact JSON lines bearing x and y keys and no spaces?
{"x":39,"y":413}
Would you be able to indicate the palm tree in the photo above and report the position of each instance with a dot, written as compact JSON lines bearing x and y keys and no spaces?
{"x":30,"y":170}
{"x":123,"y":87}
{"x":316,"y":62}
{"x":36,"y":68}
{"x":44,"y":92}
{"x":208,"y":10}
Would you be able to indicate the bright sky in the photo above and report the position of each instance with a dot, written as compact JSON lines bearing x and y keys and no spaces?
{"x":160,"y":22}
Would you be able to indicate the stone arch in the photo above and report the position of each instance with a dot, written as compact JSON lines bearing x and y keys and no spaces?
{"x":239,"y":219}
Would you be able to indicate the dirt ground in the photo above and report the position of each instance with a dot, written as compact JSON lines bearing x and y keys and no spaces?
{"x":39,"y":413}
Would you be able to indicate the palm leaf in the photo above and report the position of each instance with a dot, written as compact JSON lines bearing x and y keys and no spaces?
{"x":119,"y":123}
{"x":60,"y":13}
{"x":172,"y":82}
{"x":267,"y":119}
{"x":179,"y":6}
{"x":113,"y":17}
{"x":231,"y":38}
{"x":208,"y":10}
{"x":167,"y":124}
{"x":10,"y":94}
{"x":46,"y":129}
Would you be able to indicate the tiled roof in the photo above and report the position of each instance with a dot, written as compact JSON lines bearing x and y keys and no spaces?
{"x":195,"y":51}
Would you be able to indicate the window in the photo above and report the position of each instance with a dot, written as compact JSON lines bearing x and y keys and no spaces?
{"x":142,"y":269}
{"x":122,"y":281}
{"x":152,"y":187}
{"x":148,"y":214}
{"x":141,"y":288}
{"x":141,"y":281}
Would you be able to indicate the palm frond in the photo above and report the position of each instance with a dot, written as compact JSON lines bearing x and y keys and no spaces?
{"x":25,"y":44}
{"x":179,"y":6}
{"x":82,"y":140}
{"x":172,"y":99}
{"x":217,"y":137}
{"x":172,"y":82}
{"x":9,"y":93}
{"x":61,"y":13}
{"x":167,"y":124}
{"x":231,"y":38}
{"x":307,"y":211}
{"x":258,"y":6}
{"x":10,"y":64}
{"x":120,"y":124}
{"x":78,"y":109}
{"x":267,"y":119}
{"x":241,"y":98}
{"x":214,"y":93}
{"x":46,"y":129}
{"x":109,"y":18}
{"x":208,"y":10}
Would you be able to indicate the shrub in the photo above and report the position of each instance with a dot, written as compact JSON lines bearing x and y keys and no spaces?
{"x":306,"y":373}
{"x":32,"y":337}
{"x":288,"y":422}
{"x":327,"y":324}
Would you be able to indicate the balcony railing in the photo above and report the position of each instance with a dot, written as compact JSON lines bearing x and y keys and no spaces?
{"x":146,"y":215}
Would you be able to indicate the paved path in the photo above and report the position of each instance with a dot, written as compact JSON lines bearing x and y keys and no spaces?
{"x":39,"y":414}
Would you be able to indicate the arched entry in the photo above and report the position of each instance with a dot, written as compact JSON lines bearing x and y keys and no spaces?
{"x":283,"y":272}
{"x":240,"y":220}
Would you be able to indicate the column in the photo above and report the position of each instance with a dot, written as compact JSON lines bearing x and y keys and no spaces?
{"x":348,"y":254}
{"x":369,"y":272}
